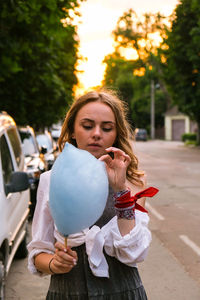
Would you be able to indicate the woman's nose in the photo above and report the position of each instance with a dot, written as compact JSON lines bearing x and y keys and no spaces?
{"x":96,"y":132}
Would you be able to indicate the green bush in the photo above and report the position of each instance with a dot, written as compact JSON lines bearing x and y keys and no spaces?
{"x":190,"y":143}
{"x":189,"y":137}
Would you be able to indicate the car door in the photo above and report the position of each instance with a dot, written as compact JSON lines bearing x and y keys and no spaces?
{"x":10,"y":200}
{"x":7,"y":169}
{"x":17,"y":203}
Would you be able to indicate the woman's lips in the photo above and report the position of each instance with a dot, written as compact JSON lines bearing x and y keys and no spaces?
{"x":94,"y":145}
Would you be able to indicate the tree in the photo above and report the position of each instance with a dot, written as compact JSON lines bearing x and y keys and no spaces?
{"x":133,"y":77}
{"x":119,"y":76}
{"x":38,"y":48}
{"x":135,"y":89}
{"x":183,"y":59}
{"x":139,"y":33}
{"x":145,"y":35}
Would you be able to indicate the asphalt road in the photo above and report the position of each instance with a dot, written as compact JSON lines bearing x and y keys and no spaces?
{"x":172,"y":268}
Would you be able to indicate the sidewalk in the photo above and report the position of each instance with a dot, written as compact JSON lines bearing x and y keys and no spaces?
{"x":164,"y":277}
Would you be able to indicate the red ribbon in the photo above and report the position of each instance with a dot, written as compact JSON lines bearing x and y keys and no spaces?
{"x":126,"y":200}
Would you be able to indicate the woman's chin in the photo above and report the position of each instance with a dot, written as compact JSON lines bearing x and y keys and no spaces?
{"x":96,"y":153}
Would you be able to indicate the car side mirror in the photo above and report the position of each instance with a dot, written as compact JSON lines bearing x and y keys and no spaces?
{"x":19,"y":182}
{"x":43,"y":149}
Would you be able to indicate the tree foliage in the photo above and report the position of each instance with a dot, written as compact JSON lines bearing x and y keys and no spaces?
{"x":135,"y":90}
{"x":139,"y":33}
{"x":132,"y":78}
{"x":38,"y":55}
{"x":182,"y":68}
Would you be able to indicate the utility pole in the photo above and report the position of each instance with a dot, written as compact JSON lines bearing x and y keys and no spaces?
{"x":152,"y":109}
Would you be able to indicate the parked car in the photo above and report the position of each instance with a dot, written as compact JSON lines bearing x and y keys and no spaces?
{"x":55,"y":132}
{"x":14,"y":198}
{"x":34,"y":160}
{"x":48,"y":147}
{"x":140,"y":134}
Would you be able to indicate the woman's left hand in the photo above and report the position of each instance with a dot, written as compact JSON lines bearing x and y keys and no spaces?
{"x":116,"y":167}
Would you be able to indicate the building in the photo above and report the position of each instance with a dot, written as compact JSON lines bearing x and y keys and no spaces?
{"x":176,"y":124}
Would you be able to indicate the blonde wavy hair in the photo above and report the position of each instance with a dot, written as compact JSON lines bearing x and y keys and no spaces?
{"x":124,"y":132}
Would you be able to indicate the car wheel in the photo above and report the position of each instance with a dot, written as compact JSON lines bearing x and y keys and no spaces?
{"x":2,"y":280}
{"x":22,"y":250}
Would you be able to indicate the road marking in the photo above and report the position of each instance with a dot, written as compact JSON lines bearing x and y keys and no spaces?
{"x":190,"y":243}
{"x":154,"y":212}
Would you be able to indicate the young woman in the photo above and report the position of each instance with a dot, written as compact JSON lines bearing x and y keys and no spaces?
{"x":96,"y":122}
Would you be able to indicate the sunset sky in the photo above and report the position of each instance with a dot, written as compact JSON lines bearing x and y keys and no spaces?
{"x":98,"y":20}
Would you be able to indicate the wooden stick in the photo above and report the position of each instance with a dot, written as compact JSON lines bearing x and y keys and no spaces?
{"x":66,"y":243}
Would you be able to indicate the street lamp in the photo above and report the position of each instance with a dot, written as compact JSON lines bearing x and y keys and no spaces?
{"x":153,"y":87}
{"x":152,"y":110}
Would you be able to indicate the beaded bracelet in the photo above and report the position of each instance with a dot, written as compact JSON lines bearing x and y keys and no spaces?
{"x":126,"y":211}
{"x":119,"y":194}
{"x":50,"y":266}
{"x":128,"y":214}
{"x":125,"y":204}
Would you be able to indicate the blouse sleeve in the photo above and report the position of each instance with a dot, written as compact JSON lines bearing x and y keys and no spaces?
{"x":133,"y":247}
{"x":42,"y":226}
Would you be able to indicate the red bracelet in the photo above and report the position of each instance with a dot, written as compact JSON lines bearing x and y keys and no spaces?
{"x":125,"y":201}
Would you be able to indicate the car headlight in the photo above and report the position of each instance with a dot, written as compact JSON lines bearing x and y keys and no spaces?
{"x":34,"y":173}
{"x":42,"y":166}
{"x":50,"y":158}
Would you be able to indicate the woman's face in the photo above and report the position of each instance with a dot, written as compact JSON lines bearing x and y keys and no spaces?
{"x":95,"y":128}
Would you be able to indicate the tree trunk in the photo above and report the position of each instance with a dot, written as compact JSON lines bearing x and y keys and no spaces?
{"x":198,"y":133}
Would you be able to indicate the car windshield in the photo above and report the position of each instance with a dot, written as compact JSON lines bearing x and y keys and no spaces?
{"x":29,"y":146}
{"x":44,"y":140}
{"x":142,"y":131}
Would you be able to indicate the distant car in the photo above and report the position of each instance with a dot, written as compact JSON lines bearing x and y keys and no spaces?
{"x":55,"y":133}
{"x":14,"y":198}
{"x":48,"y":147}
{"x":34,"y":160}
{"x":140,"y":134}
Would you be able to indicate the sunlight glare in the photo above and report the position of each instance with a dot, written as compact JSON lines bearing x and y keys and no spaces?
{"x":93,"y":67}
{"x":99,"y":19}
{"x":129,"y":53}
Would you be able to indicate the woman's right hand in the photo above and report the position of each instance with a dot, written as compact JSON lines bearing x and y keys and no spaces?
{"x":63,"y":260}
{"x":116,"y":167}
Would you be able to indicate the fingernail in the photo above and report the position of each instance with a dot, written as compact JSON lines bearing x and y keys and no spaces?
{"x":65,"y":250}
{"x":74,"y":261}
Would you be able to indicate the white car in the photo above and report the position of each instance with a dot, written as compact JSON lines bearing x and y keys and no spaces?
{"x":14,"y":198}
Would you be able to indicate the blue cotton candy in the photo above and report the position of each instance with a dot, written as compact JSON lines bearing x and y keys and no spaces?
{"x":78,"y":190}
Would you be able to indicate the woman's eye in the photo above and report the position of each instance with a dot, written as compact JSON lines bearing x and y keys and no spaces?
{"x":87,"y":127}
{"x":107,"y":129}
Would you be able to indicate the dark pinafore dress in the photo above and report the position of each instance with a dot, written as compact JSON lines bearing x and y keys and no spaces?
{"x":80,"y":284}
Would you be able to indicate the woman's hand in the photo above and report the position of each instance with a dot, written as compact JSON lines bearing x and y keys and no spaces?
{"x":63,"y":260}
{"x":116,"y":167}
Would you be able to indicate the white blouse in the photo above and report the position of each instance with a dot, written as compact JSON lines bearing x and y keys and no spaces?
{"x":129,"y":249}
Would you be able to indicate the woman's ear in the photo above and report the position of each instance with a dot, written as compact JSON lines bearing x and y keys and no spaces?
{"x":73,"y":136}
